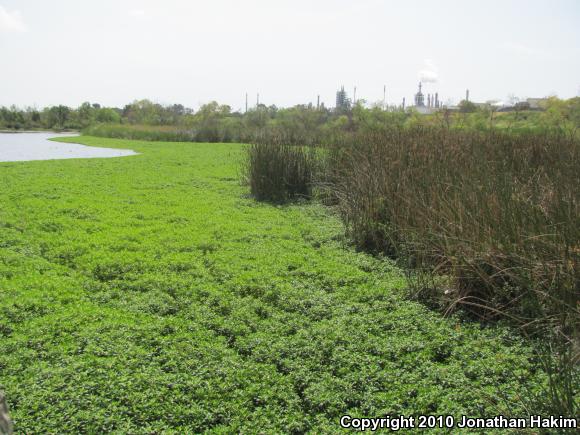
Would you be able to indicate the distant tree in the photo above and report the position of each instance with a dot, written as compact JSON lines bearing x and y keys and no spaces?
{"x":177,"y":110}
{"x":574,"y":112}
{"x":258,"y":118}
{"x":108,"y":115}
{"x":376,"y":119}
{"x":466,"y":106}
{"x":6,"y":117}
{"x":337,"y":124}
{"x":207,"y":121}
{"x":146,"y":112}
{"x":35,"y":116}
{"x":86,"y":114}
{"x":58,"y":116}
{"x":563,"y":115}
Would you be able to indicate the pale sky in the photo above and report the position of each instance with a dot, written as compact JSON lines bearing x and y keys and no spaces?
{"x":191,"y":51}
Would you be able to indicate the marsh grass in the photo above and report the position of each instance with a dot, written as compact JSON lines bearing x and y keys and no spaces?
{"x":167,"y":133}
{"x":497,"y":212}
{"x":277,"y":172}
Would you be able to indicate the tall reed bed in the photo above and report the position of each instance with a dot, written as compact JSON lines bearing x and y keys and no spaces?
{"x":497,"y":214}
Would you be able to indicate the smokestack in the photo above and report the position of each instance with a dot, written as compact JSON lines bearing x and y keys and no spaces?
{"x":318,"y":103}
{"x":258,"y":100}
{"x":384,"y":96}
{"x":246,"y":102}
{"x":354,"y":96}
{"x":467,"y":95}
{"x":403,"y":103}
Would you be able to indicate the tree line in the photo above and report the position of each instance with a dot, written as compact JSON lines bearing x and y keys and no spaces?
{"x":214,"y":122}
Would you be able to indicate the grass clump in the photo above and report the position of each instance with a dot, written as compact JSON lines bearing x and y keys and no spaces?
{"x":278,"y":172}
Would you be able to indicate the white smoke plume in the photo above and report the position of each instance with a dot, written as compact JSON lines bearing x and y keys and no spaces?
{"x":429,"y":73}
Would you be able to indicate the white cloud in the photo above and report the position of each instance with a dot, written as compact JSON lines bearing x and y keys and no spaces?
{"x":11,"y":21}
{"x":429,"y":73}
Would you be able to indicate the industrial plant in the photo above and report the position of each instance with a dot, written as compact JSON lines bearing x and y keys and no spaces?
{"x":429,"y":103}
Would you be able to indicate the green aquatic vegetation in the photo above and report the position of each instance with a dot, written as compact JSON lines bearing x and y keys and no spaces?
{"x":150,"y":293}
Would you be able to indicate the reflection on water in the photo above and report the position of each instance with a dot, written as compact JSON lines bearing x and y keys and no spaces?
{"x":15,"y":147}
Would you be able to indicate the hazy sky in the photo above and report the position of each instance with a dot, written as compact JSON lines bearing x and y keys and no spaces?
{"x":290,"y":51}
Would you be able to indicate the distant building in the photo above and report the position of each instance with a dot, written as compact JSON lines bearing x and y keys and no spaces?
{"x":342,"y":100}
{"x":432,"y":105}
{"x":522,"y":105}
{"x":534,"y":104}
{"x":419,"y":97}
{"x":537,"y":103}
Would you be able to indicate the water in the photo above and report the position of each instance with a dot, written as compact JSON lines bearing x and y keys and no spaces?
{"x":17,"y":147}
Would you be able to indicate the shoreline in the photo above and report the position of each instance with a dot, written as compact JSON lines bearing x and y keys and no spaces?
{"x":39,"y":131}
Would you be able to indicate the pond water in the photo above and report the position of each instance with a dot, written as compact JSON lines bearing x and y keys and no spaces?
{"x":17,"y":147}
